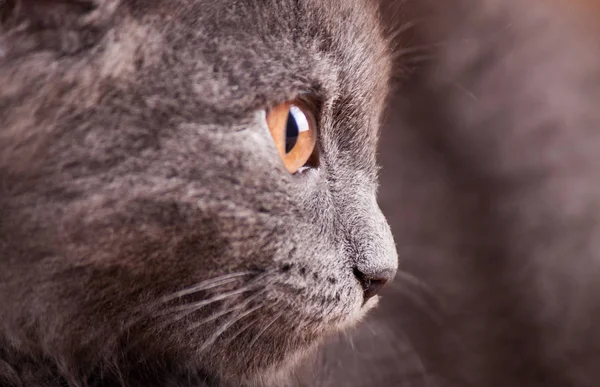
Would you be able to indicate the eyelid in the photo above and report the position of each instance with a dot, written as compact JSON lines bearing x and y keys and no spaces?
{"x":311,"y":101}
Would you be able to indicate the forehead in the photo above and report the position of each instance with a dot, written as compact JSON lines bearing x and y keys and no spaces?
{"x":274,"y":49}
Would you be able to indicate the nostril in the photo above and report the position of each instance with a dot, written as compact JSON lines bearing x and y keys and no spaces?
{"x":373,"y":287}
{"x":371,"y":283}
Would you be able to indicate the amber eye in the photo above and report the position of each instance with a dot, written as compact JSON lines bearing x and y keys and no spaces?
{"x":294,"y":130}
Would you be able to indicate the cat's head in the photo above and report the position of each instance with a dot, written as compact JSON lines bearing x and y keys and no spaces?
{"x":149,"y":224}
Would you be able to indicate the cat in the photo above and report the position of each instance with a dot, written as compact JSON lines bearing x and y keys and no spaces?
{"x":490,"y":163}
{"x":155,"y":229}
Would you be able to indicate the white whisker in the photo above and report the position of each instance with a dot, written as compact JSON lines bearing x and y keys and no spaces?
{"x":246,"y":302}
{"x":403,"y":28}
{"x":208,"y":284}
{"x":215,"y":316}
{"x":226,"y":326}
{"x":420,"y":364}
{"x":186,"y":310}
{"x":190,"y":308}
{"x":415,"y":282}
{"x":146,"y":311}
{"x":267,"y":326}
{"x":240,"y":331}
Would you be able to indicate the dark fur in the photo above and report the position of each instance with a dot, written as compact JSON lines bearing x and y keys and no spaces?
{"x":134,"y":163}
{"x":491,"y":166}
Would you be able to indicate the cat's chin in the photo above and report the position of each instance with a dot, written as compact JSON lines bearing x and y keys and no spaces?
{"x":358,"y":314}
{"x":280,"y":373}
{"x":370,"y":304}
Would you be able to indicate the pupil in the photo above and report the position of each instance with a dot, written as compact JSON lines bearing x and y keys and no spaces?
{"x":291,"y":133}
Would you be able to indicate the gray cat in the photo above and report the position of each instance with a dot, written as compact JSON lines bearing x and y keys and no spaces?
{"x":160,"y":227}
{"x":187,"y":188}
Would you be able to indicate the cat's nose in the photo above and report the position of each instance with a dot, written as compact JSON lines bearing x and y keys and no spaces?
{"x":372,"y":248}
{"x":373,"y":282}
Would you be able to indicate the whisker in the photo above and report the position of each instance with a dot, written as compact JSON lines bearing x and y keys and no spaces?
{"x":190,"y":308}
{"x":422,"y":305}
{"x":214,"y":317}
{"x":403,"y":28}
{"x":186,"y":310}
{"x":468,"y":92}
{"x":140,"y":313}
{"x":208,"y":284}
{"x":164,"y":324}
{"x":414,"y":281}
{"x":417,"y":59}
{"x":240,"y":331}
{"x":411,"y":50}
{"x":226,"y":326}
{"x":245,"y":303}
{"x":420,"y":364}
{"x":416,"y":292}
{"x":267,"y":326}
{"x":350,"y":339}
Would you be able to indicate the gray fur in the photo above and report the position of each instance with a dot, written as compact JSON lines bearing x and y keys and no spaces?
{"x":135,"y":163}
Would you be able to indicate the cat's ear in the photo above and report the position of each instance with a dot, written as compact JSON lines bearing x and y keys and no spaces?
{"x":66,"y":25}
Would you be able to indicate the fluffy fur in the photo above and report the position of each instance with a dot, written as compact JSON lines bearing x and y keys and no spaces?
{"x":150,"y":234}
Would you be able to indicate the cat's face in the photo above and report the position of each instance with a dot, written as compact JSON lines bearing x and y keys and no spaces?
{"x":148,"y":222}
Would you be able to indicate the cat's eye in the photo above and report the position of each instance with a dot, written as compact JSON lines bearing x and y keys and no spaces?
{"x":294,"y":130}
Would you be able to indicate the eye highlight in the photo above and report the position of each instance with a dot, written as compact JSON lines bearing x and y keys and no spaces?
{"x":294,"y":129}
